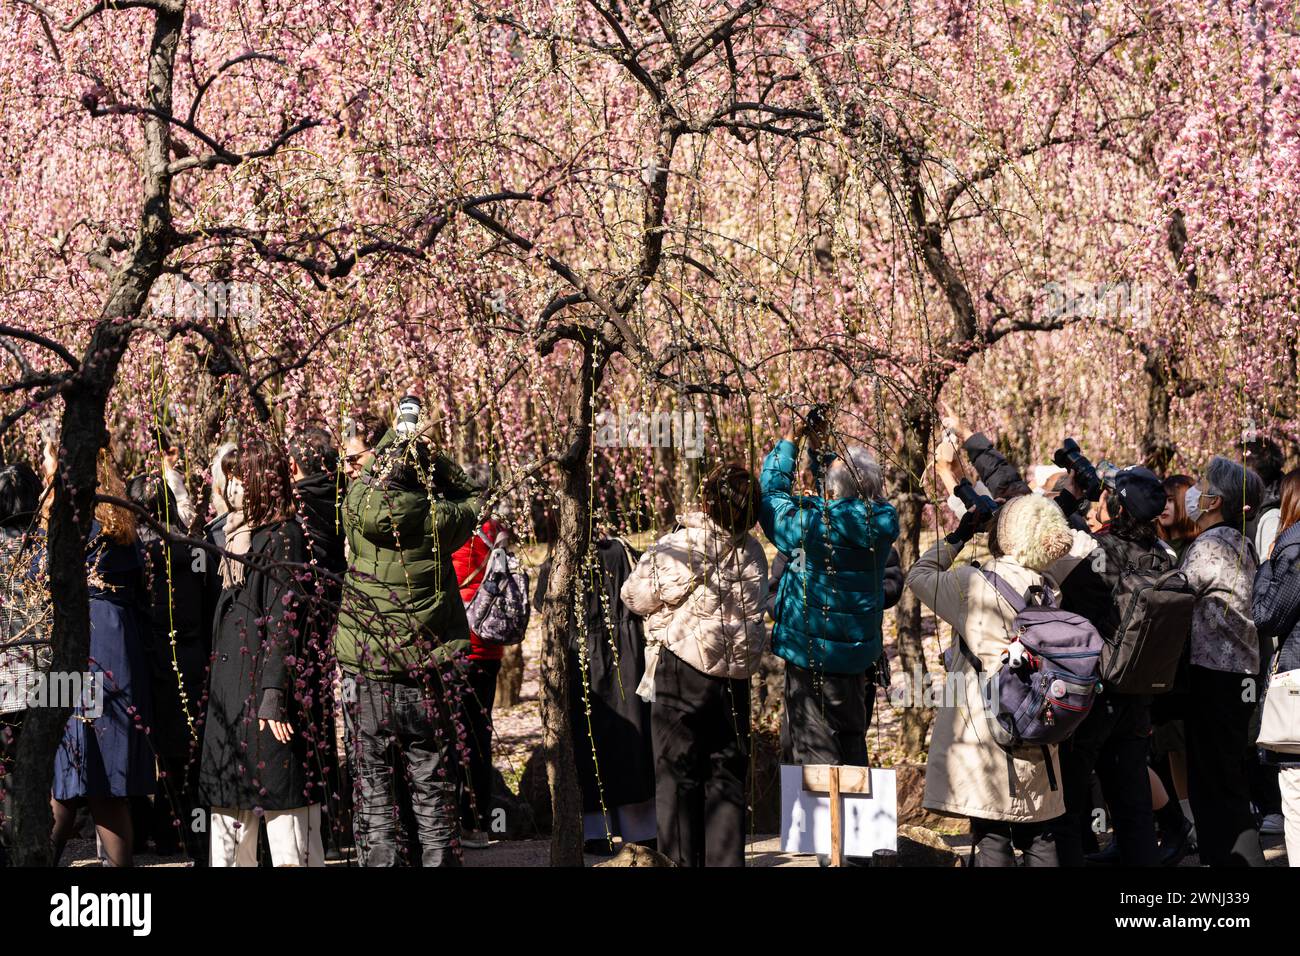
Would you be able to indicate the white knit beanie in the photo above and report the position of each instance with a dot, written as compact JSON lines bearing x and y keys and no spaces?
{"x":1032,"y":531}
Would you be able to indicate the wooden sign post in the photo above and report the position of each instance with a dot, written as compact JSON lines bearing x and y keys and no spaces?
{"x":837,"y":781}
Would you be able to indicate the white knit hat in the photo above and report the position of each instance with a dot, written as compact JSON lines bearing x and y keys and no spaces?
{"x":1032,"y":531}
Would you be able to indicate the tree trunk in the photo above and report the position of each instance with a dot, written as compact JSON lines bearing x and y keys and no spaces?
{"x":664,"y":490}
{"x":1157,"y":443}
{"x":563,"y":615}
{"x":510,"y":679}
{"x":909,"y":499}
{"x":561,"y":625}
{"x":83,"y":434}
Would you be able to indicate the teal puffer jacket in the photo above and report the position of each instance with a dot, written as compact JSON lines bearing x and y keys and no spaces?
{"x":831,"y":599}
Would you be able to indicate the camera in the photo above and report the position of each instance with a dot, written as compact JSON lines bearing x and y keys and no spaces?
{"x":815,"y":420}
{"x":983,"y":505}
{"x":408,"y":414}
{"x":1069,"y":457}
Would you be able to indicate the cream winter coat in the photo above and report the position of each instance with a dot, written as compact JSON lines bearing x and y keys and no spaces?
{"x":968,"y":774}
{"x":701,"y":594}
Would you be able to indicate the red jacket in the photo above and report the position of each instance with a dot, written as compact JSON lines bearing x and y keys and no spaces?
{"x":469,"y":560}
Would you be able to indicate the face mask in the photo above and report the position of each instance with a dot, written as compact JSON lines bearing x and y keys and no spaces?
{"x":235,"y":493}
{"x":1192,"y":502}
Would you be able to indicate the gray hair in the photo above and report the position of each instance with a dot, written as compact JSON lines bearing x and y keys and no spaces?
{"x":854,"y":475}
{"x":1238,"y":487}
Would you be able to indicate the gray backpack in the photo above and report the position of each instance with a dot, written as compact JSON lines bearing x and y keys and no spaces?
{"x":499,"y":611}
{"x":1047,"y":681}
{"x":1155,"y":619}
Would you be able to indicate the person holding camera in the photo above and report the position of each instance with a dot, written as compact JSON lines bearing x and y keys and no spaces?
{"x":1113,"y":738}
{"x":1220,"y":565}
{"x":401,"y":626}
{"x":997,"y":477}
{"x":701,"y":590}
{"x":1009,"y":795}
{"x":830,"y":601}
{"x":105,"y":760}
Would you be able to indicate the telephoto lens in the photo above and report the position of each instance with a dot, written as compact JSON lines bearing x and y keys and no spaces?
{"x":408,"y":415}
{"x":1069,"y":457}
{"x":974,"y":501}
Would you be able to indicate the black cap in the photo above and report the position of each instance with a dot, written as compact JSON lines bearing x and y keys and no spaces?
{"x":1140,"y":492}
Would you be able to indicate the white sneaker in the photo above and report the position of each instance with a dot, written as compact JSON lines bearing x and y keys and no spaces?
{"x":475,"y":840}
{"x":1272,"y":824}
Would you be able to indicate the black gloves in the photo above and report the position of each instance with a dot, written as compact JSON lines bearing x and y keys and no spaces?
{"x":1067,"y":502}
{"x":967,"y":528}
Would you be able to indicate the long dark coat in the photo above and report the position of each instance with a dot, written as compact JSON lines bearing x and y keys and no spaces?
{"x":619,"y":743}
{"x":257,"y":646}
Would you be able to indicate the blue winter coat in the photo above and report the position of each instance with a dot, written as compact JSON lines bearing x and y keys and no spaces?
{"x":831,"y":597}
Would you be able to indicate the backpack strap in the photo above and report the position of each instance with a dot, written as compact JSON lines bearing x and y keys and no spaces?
{"x":487,"y":561}
{"x":1017,"y":602}
{"x":967,"y":653}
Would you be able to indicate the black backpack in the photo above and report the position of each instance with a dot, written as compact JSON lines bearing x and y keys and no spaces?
{"x":1155,"y":619}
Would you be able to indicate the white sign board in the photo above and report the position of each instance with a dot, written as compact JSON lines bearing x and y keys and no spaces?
{"x":870,"y":821}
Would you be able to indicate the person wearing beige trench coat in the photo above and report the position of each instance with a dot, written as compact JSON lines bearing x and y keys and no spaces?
{"x":1007,"y":794}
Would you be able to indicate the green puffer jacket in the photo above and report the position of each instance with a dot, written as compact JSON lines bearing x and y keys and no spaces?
{"x":401,"y":611}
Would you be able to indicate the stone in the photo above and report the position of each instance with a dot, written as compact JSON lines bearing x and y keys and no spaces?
{"x":919,"y":846}
{"x":632,"y":854}
{"x":536,"y":791}
{"x":515,"y":816}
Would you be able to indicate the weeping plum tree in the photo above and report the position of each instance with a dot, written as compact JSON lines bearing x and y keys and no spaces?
{"x":545,"y":210}
{"x":132,"y":249}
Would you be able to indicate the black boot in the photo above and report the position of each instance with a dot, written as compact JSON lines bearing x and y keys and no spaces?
{"x":1178,"y":845}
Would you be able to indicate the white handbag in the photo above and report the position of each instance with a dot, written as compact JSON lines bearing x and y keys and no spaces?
{"x":1279,"y":729}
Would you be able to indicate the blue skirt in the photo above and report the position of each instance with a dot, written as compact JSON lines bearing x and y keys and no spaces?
{"x":112,"y":754}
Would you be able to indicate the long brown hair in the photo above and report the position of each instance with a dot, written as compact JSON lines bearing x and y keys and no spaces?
{"x":1183,"y":528}
{"x":263,"y":468}
{"x":1290,"y":491}
{"x":118,"y":523}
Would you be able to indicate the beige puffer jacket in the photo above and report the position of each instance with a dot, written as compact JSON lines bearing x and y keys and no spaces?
{"x":968,"y":774}
{"x":702,"y":595}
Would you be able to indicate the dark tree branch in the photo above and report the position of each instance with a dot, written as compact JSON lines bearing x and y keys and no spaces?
{"x":44,"y":342}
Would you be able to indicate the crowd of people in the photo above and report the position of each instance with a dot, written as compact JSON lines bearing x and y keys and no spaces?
{"x":289,"y":669}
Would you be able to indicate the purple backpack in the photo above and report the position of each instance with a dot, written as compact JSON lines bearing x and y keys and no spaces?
{"x":1048,"y":678}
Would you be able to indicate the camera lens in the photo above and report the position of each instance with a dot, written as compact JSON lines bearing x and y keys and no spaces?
{"x":408,"y":414}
